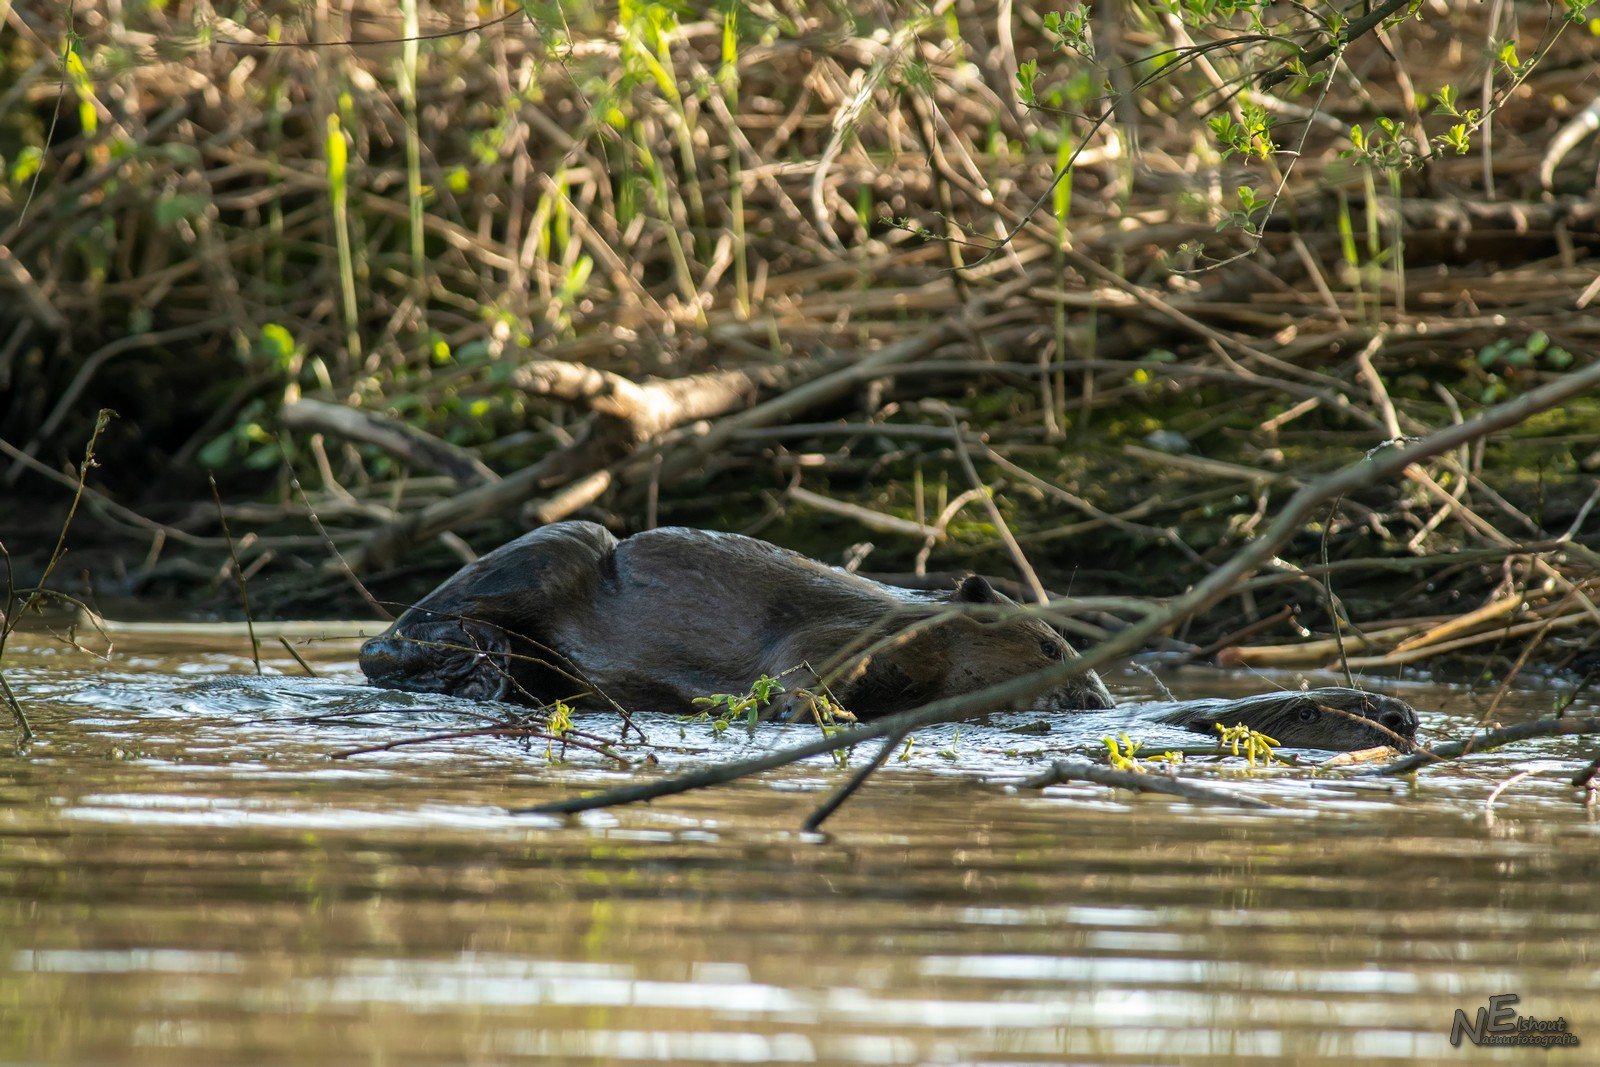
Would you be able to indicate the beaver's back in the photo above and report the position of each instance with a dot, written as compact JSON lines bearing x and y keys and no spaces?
{"x":679,"y":613}
{"x":705,"y":562}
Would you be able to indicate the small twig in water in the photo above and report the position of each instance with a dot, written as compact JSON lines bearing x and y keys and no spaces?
{"x":1079,"y":769}
{"x":502,"y":730}
{"x":13,"y":613}
{"x":238,"y":576}
{"x":19,"y":716}
{"x":287,"y":647}
{"x":1156,"y":678}
{"x":7,"y":621}
{"x":844,"y":792}
{"x":1488,"y":805}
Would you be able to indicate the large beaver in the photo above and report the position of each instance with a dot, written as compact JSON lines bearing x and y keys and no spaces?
{"x":653,"y":621}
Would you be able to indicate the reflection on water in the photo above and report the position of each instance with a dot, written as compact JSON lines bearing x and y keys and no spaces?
{"x":187,"y":878}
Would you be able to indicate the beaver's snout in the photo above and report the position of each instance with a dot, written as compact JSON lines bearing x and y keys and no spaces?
{"x":1087,"y":693}
{"x":1398,"y":719}
{"x":392,"y":658}
{"x":464,"y":661}
{"x":1095,"y":695}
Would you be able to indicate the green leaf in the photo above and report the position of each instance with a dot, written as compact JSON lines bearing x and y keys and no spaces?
{"x":27,"y":164}
{"x":277,"y":344}
{"x":1492,"y":352}
{"x":1026,"y":74}
{"x":338,"y":154}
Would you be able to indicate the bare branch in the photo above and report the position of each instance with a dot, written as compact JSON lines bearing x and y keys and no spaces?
{"x":1483,"y":741}
{"x":403,"y":442}
{"x":1082,"y":769}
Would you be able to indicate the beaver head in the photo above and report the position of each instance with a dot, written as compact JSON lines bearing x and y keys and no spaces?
{"x":974,"y":651}
{"x":439,"y":654}
{"x":460,"y":638}
{"x":1343,"y":720}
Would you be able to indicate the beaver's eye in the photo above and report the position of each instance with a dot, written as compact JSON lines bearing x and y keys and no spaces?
{"x":1050,"y":649}
{"x":1308,"y":715}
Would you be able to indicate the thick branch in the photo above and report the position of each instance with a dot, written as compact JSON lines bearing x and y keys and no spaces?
{"x":820,"y":390}
{"x":652,"y":406}
{"x":405,"y":443}
{"x":627,"y":416}
{"x":606,"y":394}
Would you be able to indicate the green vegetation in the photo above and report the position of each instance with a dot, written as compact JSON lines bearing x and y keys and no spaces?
{"x":1254,"y":744}
{"x":735,"y":707}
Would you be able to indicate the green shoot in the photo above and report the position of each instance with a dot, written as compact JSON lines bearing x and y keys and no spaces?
{"x":1255,"y":745}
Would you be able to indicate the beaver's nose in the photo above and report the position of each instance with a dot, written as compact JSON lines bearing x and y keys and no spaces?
{"x":1403,"y":723}
{"x":1094,"y":695}
{"x":385,"y":657}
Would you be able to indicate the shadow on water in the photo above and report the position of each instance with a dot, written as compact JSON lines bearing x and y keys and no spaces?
{"x":186,"y":877}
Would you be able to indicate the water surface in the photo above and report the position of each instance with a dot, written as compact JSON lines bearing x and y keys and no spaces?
{"x":188,"y":877}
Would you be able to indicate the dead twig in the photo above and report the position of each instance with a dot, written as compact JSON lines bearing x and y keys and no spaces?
{"x":1080,"y":769}
{"x":508,"y":730}
{"x":846,"y":791}
{"x":403,"y":442}
{"x":1484,"y":740}
{"x":239,"y":578}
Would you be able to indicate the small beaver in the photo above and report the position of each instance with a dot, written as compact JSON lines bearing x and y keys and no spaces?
{"x":655,"y":620}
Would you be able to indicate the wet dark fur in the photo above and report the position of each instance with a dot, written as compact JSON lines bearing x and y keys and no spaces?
{"x":1337,"y":718}
{"x":653,"y":621}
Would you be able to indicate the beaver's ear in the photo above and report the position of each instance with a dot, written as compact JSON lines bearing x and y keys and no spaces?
{"x":974,"y":590}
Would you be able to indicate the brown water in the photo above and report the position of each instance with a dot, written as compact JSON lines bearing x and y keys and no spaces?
{"x":185,"y":881}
